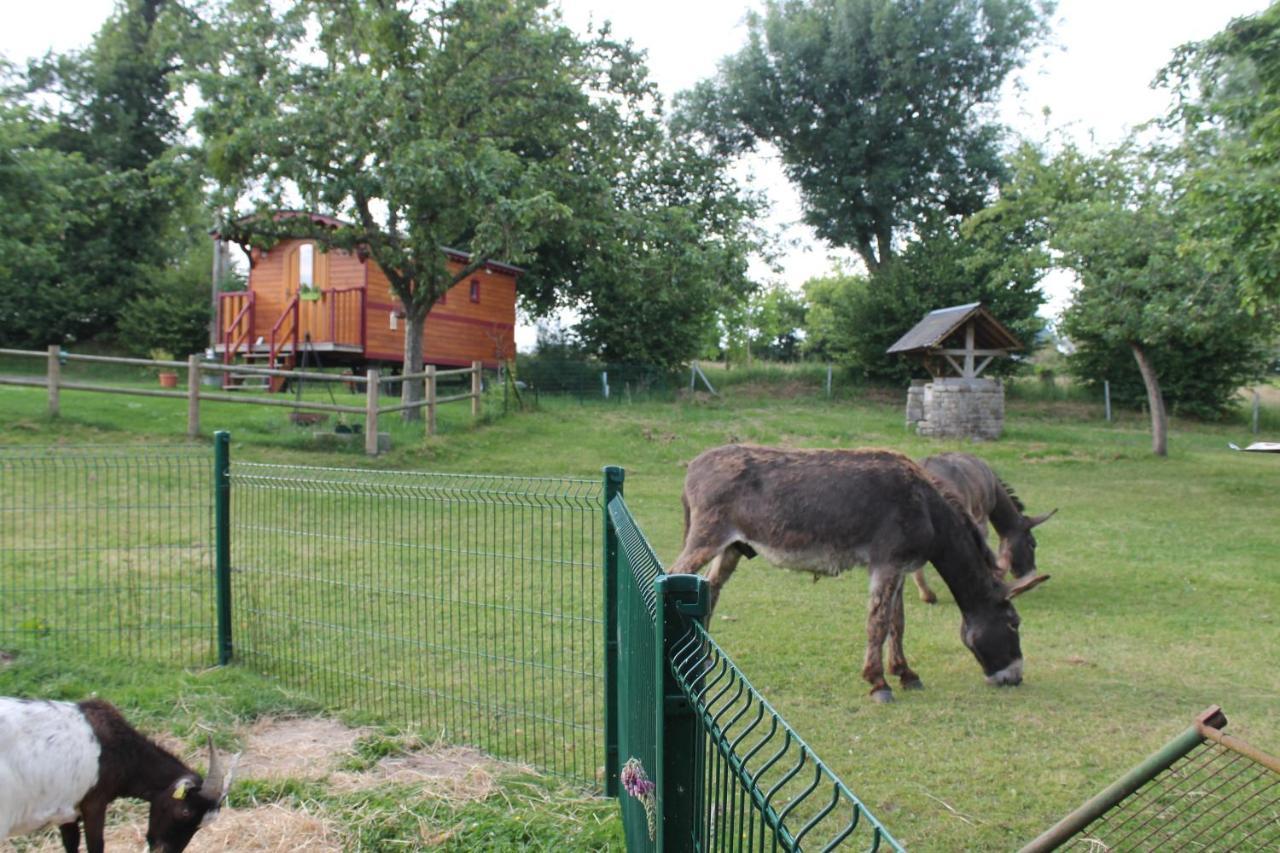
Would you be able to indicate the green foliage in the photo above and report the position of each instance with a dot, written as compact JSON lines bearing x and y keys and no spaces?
{"x":1113,"y":221}
{"x":881,"y":109}
{"x":97,"y":193}
{"x":1228,"y":110}
{"x":853,"y":320}
{"x":172,"y":311}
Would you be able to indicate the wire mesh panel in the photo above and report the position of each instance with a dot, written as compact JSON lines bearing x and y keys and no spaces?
{"x":1204,"y":790}
{"x":639,"y":701}
{"x":460,"y":604}
{"x":107,"y":551}
{"x":760,"y":786}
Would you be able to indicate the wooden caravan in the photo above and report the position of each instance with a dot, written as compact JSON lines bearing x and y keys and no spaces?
{"x":338,"y":309}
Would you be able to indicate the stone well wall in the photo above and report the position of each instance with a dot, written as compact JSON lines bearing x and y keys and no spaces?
{"x":957,"y":408}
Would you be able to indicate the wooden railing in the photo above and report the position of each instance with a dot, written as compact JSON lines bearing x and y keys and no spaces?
{"x":238,"y":332}
{"x":372,"y":381}
{"x":278,"y":338}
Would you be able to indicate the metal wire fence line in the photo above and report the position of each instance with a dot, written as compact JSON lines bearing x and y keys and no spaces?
{"x":107,"y":552}
{"x":1204,"y":790}
{"x":719,"y":768}
{"x":759,"y":786}
{"x":464,"y":605}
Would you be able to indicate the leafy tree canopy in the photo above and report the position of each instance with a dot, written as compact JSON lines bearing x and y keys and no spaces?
{"x":853,"y":320}
{"x":881,"y":109}
{"x":1228,"y":109}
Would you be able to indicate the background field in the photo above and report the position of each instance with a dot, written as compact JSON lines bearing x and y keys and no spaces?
{"x":1165,"y":596}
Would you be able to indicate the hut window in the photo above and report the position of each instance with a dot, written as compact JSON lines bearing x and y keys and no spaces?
{"x":306,"y":266}
{"x":475,"y":290}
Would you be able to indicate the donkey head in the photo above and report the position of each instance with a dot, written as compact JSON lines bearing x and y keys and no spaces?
{"x":991,"y":633}
{"x":1018,"y":546}
{"x":188,"y":804}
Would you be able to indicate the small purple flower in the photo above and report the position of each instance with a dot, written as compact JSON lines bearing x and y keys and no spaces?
{"x":638,"y":784}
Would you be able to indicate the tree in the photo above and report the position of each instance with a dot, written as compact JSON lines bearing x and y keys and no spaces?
{"x":882,"y":110}
{"x":655,"y":252}
{"x":855,"y":319}
{"x":1228,"y":109}
{"x":113,"y":108}
{"x":1113,"y":220}
{"x":450,"y":123}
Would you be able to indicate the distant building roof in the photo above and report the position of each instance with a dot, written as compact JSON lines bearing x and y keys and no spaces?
{"x":937,"y":326}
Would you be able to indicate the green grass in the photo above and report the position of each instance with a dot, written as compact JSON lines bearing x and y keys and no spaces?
{"x":1164,"y":596}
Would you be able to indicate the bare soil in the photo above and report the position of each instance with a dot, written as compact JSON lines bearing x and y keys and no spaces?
{"x":308,"y":749}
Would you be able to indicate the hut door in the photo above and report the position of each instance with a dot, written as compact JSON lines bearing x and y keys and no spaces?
{"x":308,"y":278}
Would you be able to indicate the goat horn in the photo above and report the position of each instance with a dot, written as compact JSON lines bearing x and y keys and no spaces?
{"x":1041,"y":519}
{"x":212,"y":788}
{"x":1022,"y":586}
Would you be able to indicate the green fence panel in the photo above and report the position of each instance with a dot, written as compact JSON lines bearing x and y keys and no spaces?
{"x":466,"y":606}
{"x":639,"y":699}
{"x":108,"y":551}
{"x":1203,"y":790}
{"x":727,"y":772}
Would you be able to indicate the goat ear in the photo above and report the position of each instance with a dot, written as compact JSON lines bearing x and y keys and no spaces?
{"x":180,"y":790}
{"x":1041,"y":519}
{"x":1019,"y":588}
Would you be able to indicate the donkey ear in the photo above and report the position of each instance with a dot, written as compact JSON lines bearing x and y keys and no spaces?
{"x":1017,"y":589}
{"x":1041,"y":519}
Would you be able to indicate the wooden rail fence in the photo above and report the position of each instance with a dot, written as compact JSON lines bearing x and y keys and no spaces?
{"x":195,"y":367}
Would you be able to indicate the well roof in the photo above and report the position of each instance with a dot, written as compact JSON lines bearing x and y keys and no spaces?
{"x":937,"y":326}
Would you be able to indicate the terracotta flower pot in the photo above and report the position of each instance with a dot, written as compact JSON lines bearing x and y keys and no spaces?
{"x":168,"y":380}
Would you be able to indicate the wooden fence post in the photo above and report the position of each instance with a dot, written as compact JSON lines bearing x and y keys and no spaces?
{"x":371,"y":412}
{"x":431,"y":399}
{"x":475,"y":389}
{"x":54,"y":378}
{"x":193,"y":396}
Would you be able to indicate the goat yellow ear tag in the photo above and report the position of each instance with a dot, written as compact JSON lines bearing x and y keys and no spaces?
{"x":180,"y":792}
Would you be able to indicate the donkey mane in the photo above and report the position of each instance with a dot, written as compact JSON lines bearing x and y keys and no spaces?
{"x":1008,"y":490}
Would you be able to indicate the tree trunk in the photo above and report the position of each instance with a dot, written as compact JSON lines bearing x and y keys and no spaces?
{"x":1155,"y":402}
{"x":412,"y":392}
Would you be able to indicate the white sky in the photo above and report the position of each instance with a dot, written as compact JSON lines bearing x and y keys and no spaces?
{"x":1095,"y":78}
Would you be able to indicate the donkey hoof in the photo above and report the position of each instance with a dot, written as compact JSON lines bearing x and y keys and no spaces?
{"x":912,"y":684}
{"x":883,"y":696}
{"x":929,"y":598}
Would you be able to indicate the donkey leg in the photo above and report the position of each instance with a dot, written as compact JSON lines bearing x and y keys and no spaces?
{"x":721,"y":571}
{"x":926,"y":594}
{"x":879,"y":618}
{"x":897,"y":657}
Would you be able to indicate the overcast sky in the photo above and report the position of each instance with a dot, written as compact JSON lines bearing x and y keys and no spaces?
{"x":1094,"y":78}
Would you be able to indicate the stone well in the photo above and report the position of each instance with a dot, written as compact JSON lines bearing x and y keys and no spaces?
{"x":957,"y":408}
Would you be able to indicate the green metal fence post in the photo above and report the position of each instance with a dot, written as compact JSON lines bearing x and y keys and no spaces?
{"x":222,"y":540}
{"x":613,"y":478}
{"x":679,"y":599}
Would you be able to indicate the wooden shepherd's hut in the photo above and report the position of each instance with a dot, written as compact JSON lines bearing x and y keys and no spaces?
{"x":338,"y":308}
{"x":955,"y":345}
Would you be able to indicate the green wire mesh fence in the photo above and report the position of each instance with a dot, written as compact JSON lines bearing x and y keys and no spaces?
{"x":1204,"y":790}
{"x":107,"y":552}
{"x":464,"y":605}
{"x":709,"y":764}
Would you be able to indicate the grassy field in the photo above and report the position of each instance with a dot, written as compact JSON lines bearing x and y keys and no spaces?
{"x":1164,"y":598}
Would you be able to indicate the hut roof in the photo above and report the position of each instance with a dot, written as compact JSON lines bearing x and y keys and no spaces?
{"x":333,"y":222}
{"x":937,"y":326}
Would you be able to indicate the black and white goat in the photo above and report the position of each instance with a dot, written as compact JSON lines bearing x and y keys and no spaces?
{"x":61,"y":763}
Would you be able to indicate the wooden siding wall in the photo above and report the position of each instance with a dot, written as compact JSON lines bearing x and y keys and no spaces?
{"x":458,"y":331}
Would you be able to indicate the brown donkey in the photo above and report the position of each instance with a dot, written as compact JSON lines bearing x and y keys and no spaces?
{"x":986,"y":498}
{"x":824,"y":511}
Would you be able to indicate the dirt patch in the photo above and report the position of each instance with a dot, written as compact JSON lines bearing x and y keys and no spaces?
{"x":454,"y":773}
{"x":282,"y":748}
{"x":265,"y":828}
{"x":6,"y":658}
